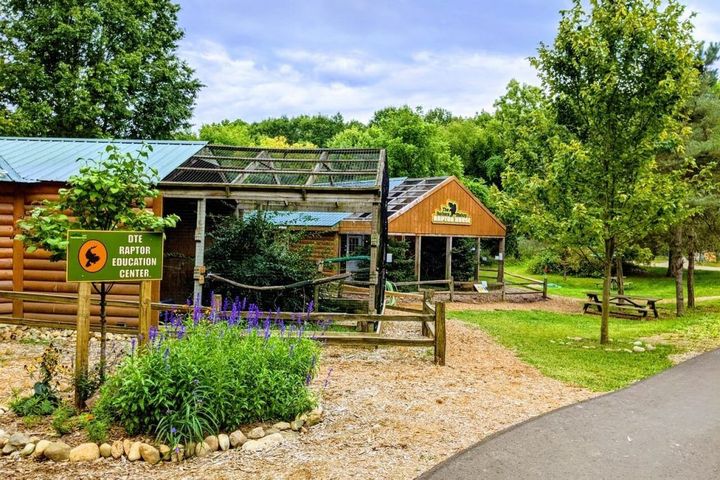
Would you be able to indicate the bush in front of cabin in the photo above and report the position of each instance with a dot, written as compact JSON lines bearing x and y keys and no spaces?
{"x":200,"y":376}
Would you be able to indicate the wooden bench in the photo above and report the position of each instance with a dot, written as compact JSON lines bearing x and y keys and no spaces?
{"x":620,"y":304}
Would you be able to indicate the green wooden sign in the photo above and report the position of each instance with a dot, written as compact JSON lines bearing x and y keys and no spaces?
{"x":114,"y":256}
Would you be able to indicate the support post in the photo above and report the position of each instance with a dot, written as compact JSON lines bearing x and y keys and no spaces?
{"x":375,"y":234}
{"x":157,"y":207}
{"x":501,"y":261}
{"x":440,"y":342}
{"x":418,"y":256}
{"x":216,"y":305}
{"x":545,"y":289}
{"x":478,"y":246}
{"x":426,"y":309}
{"x":199,"y":273}
{"x":82,"y":330}
{"x":448,"y":257}
{"x":18,"y":254}
{"x":451,"y":284}
{"x":145,"y":312}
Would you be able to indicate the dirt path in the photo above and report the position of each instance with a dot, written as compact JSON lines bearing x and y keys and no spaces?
{"x":390,"y":414}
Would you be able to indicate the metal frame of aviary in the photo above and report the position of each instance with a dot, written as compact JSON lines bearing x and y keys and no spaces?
{"x":313,"y":180}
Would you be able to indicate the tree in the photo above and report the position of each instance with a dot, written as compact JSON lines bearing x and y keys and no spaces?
{"x":415,"y":147}
{"x":73,"y":68}
{"x":316,"y":129}
{"x":617,"y":77}
{"x":253,"y":250}
{"x":107,"y":194}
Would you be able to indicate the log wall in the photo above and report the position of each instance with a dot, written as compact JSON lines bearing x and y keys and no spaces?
{"x":34,"y":272}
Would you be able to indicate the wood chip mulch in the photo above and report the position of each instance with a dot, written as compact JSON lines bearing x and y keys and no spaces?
{"x":389,"y":414}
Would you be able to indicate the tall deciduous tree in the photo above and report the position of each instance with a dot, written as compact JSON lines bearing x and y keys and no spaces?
{"x":617,"y":76}
{"x":108,"y":68}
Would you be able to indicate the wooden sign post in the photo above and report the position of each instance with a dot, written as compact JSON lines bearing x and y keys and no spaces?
{"x":83,"y":340}
{"x":110,"y":256}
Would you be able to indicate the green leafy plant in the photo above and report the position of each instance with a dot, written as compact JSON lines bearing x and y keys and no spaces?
{"x":107,"y":194}
{"x":63,"y":420}
{"x":44,"y":399}
{"x":253,"y":250}
{"x":202,"y":375}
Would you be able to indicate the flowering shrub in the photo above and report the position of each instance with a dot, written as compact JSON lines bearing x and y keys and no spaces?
{"x":200,"y":375}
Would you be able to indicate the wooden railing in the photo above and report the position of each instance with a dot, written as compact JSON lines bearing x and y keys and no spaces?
{"x":431,"y":318}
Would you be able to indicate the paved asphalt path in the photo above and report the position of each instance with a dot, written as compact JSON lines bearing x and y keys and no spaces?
{"x":665,"y":427}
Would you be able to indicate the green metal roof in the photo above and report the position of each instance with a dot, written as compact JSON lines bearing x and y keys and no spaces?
{"x":27,"y":160}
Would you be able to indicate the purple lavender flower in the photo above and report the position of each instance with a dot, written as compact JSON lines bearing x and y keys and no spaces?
{"x":133,"y":341}
{"x":173,"y":430}
{"x":153,"y":334}
{"x":181,"y":332}
{"x":308,"y":378}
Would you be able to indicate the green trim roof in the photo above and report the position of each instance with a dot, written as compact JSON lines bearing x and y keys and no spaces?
{"x":29,"y":160}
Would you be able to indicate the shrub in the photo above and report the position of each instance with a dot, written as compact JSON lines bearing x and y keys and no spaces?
{"x":201,"y":376}
{"x":253,"y":250}
{"x":44,"y":399}
{"x":63,"y":420}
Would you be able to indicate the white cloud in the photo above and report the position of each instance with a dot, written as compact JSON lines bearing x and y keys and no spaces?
{"x":352,"y":83}
{"x":707,"y":22}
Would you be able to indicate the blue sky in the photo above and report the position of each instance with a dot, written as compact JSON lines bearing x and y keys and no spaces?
{"x":261,"y":59}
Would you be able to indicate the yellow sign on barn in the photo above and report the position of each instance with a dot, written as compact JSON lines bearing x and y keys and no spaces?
{"x":450,"y":214}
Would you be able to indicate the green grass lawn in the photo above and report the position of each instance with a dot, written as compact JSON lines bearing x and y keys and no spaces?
{"x":550,"y":341}
{"x":652,"y":283}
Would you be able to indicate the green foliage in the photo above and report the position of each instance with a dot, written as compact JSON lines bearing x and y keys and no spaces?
{"x":34,"y":405}
{"x":402,"y":267}
{"x":97,"y":430}
{"x":463,"y":259}
{"x":45,"y":397}
{"x":227,"y":133}
{"x":316,"y":130}
{"x":198,"y":379}
{"x":106,"y":194}
{"x":93,"y":69}
{"x":617,"y":77}
{"x":64,"y":420}
{"x":252,"y":250}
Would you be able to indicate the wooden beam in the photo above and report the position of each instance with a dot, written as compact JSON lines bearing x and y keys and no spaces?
{"x":158,"y":212}
{"x":501,"y":261}
{"x":448,"y":257}
{"x":440,"y":340}
{"x":145,"y":311}
{"x":375,"y":238}
{"x":199,"y":273}
{"x":418,"y":256}
{"x":83,"y":342}
{"x":18,"y":252}
{"x":478,"y":248}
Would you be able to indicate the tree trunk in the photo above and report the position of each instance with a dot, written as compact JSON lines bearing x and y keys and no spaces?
{"x":691,"y":271}
{"x":620,"y":275}
{"x":604,"y":323}
{"x":677,"y":265}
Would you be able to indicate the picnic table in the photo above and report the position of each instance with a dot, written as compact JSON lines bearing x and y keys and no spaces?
{"x":623,"y":304}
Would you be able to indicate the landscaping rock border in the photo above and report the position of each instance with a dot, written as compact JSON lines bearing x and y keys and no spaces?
{"x":19,"y":445}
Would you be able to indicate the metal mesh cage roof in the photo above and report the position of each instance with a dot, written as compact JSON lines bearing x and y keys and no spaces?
{"x":223,"y":165}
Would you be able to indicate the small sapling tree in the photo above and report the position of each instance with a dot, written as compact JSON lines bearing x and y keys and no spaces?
{"x":617,"y":76}
{"x":107,"y":194}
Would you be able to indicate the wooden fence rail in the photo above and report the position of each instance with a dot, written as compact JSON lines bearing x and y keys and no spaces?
{"x":431,"y":318}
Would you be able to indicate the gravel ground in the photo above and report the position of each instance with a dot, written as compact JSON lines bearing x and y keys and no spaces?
{"x":390,"y":414}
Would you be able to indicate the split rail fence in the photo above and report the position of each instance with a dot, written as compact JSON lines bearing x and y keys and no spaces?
{"x":431,"y":318}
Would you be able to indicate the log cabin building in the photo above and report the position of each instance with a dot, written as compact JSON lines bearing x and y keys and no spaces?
{"x":346,"y":197}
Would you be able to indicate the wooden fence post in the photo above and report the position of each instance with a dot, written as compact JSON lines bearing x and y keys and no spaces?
{"x":145,"y":311}
{"x":440,"y":341}
{"x":217,"y":303}
{"x":452,"y":288}
{"x":425,"y":309}
{"x":545,"y":289}
{"x":82,"y":342}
